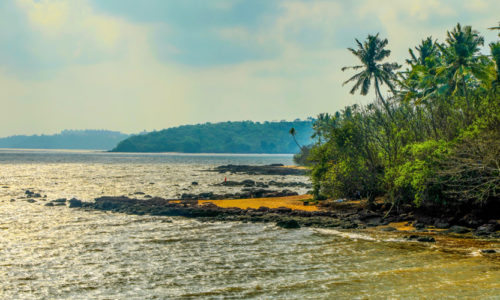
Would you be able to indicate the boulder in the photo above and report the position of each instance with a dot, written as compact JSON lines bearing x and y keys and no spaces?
{"x":488,"y":251}
{"x":288,"y":224}
{"x":75,"y":203}
{"x":458,"y":229}
{"x":486,"y":229}
{"x":426,"y":239}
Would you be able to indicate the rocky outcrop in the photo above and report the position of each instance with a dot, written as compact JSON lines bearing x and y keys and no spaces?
{"x":251,"y":183}
{"x":244,"y":194}
{"x":273,"y":169}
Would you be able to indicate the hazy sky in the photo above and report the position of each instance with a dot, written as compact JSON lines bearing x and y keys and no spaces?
{"x":133,"y":65}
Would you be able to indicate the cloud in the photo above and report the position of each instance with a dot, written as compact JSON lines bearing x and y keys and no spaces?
{"x":122,"y":66}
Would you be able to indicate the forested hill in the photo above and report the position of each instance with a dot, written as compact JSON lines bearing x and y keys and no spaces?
{"x":226,"y":137}
{"x":67,"y":139}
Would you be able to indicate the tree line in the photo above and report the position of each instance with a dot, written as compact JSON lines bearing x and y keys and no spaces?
{"x":224,"y":137}
{"x":433,"y":140}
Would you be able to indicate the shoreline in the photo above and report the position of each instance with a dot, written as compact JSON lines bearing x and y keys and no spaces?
{"x":350,"y":217}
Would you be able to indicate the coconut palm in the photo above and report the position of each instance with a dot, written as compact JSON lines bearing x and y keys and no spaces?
{"x":292,"y":133}
{"x":371,"y":53}
{"x":463,"y":62}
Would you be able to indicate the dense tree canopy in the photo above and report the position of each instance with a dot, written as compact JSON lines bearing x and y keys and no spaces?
{"x":433,"y":142}
{"x":67,"y":139}
{"x":226,"y":137}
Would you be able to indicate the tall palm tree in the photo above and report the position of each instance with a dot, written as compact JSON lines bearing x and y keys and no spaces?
{"x":427,"y":51}
{"x":371,"y":53}
{"x":463,"y":62}
{"x":292,"y":133}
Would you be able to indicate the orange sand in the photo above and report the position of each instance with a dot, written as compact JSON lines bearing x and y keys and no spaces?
{"x":295,"y":167}
{"x":401,"y":226}
{"x":293,"y":202}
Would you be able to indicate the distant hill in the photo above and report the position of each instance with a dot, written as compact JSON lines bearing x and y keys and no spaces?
{"x":226,"y":137}
{"x":67,"y":139}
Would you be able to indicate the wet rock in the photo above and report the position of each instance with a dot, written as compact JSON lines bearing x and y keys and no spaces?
{"x":258,"y":170}
{"x":441,"y":224}
{"x":470,"y":220}
{"x":411,"y":237}
{"x":73,"y":202}
{"x":59,"y":202}
{"x":426,"y":239}
{"x":488,"y":251}
{"x":418,"y":238}
{"x":288,"y":224}
{"x":486,"y":229}
{"x":389,"y":229}
{"x":348,"y":225}
{"x":459,"y":229}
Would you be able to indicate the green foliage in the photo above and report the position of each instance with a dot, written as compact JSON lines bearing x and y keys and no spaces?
{"x":226,"y":137}
{"x":413,"y":178}
{"x":434,"y":142}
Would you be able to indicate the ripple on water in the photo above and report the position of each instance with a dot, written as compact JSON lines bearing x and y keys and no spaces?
{"x":61,"y":253}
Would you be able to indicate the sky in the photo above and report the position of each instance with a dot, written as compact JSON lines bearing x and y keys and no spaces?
{"x":131,"y":65}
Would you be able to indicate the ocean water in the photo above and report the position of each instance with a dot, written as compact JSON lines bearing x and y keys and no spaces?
{"x":62,"y":253}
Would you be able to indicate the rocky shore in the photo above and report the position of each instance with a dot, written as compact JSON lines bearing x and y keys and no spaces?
{"x":347,"y":216}
{"x":273,"y":169}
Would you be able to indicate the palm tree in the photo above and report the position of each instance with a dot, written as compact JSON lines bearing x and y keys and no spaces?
{"x":463,"y":62}
{"x":427,"y":51}
{"x":371,"y":53}
{"x":496,"y":28}
{"x":420,"y":82}
{"x":292,"y":133}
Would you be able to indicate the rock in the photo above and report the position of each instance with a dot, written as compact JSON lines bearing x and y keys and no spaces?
{"x":442,"y":225}
{"x":388,"y":229}
{"x":288,"y":224}
{"x":31,"y":200}
{"x":74,"y":203}
{"x":459,"y":229}
{"x":426,"y":239}
{"x":138,"y":193}
{"x":259,"y":170}
{"x":486,"y":229}
{"x":61,"y":200}
{"x":49,"y":204}
{"x":194,"y":183}
{"x":488,"y":251}
{"x":248,"y":182}
{"x":419,"y":225}
{"x":412,"y":237}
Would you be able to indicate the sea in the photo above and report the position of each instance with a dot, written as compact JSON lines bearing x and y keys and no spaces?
{"x":62,"y":253}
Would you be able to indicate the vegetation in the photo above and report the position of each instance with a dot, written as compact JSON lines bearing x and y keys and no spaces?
{"x":433,"y":141}
{"x":67,"y":139}
{"x":226,"y":137}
